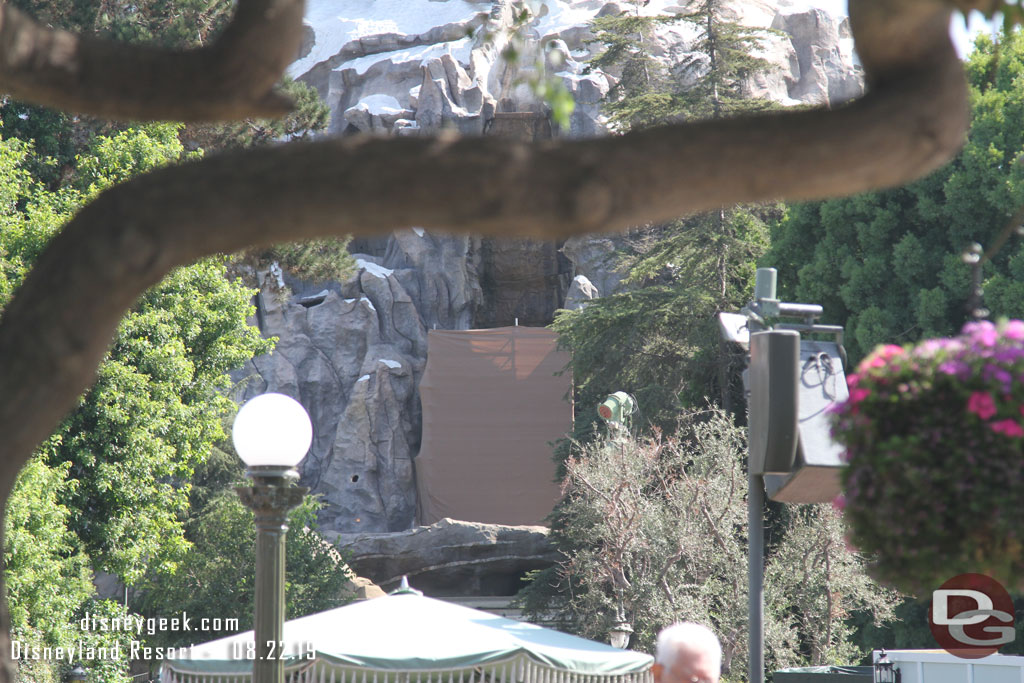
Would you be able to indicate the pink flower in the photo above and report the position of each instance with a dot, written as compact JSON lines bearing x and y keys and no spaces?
{"x":1014,"y":329}
{"x":1007,"y":427}
{"x":852,"y":380}
{"x":982,"y":332}
{"x":857,"y":395}
{"x":839,"y":502}
{"x":981,"y":404}
{"x":880,"y":355}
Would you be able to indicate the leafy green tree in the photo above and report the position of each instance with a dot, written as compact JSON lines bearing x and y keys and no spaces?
{"x":49,"y":586}
{"x":654,"y":530}
{"x":214,"y":579}
{"x":155,"y":410}
{"x":48,"y":577}
{"x":888,"y":265}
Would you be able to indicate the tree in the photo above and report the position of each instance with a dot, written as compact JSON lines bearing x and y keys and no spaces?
{"x":911,"y":122}
{"x":156,"y":407}
{"x":889,"y":264}
{"x":644,"y":94}
{"x":214,"y":578}
{"x":658,"y":340}
{"x":654,"y":529}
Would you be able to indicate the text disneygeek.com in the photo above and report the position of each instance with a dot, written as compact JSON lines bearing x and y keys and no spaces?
{"x":137,"y":649}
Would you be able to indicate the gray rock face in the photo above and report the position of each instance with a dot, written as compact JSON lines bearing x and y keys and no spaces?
{"x":451,"y":558}
{"x":826,"y":72}
{"x":353,"y":355}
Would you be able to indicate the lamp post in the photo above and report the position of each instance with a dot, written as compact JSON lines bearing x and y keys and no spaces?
{"x":271,"y":434}
{"x":619,"y":634}
{"x":885,"y":670}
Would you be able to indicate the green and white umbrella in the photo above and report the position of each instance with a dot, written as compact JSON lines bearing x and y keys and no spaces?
{"x":408,"y":638}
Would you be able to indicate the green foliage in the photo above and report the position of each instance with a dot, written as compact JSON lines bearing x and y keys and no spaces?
{"x":719,"y":84}
{"x":649,"y":92}
{"x":49,"y":585}
{"x":656,"y":527}
{"x":153,"y":415}
{"x":819,"y":591}
{"x":169,"y":23}
{"x":644,"y":94}
{"x":659,"y":342}
{"x":215,"y":577}
{"x":113,"y":159}
{"x":888,"y":264}
{"x":155,"y":410}
{"x":46,"y":573}
{"x":309,"y":117}
{"x":315,"y":260}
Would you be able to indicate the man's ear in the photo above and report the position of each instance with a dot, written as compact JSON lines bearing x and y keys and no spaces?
{"x":656,"y":671}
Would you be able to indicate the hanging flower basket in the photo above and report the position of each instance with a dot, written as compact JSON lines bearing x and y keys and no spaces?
{"x":934,"y":438}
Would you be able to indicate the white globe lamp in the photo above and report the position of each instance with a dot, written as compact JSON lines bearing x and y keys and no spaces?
{"x":272,"y":431}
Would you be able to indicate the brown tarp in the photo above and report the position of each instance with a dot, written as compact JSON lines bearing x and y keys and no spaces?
{"x":492,"y":405}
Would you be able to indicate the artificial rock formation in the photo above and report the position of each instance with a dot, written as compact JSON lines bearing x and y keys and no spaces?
{"x":417,"y":66}
{"x":354,"y":352}
{"x":451,"y":558}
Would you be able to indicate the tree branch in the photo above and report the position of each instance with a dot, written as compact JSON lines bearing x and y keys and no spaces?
{"x":230,"y":79}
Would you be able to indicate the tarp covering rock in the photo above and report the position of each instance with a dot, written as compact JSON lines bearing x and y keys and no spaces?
{"x":493,"y":402}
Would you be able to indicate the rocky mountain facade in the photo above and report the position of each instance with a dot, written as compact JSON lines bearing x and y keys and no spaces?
{"x":354,"y":352}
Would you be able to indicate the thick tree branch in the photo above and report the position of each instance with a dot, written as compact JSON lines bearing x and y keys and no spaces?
{"x":230,"y":79}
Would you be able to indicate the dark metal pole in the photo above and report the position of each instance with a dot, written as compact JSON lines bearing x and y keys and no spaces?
{"x":755,"y":576}
{"x":270,"y":498}
{"x":764,"y":289}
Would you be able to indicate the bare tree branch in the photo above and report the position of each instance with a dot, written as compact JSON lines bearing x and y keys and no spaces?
{"x":230,"y":79}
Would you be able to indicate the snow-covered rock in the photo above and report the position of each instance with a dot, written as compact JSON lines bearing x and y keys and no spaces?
{"x":440,"y":64}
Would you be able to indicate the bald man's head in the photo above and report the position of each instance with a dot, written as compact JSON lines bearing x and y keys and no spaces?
{"x":687,"y":653}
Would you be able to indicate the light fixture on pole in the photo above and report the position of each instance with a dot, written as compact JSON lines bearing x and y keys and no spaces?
{"x":885,"y":670}
{"x":618,"y":635}
{"x":271,"y":434}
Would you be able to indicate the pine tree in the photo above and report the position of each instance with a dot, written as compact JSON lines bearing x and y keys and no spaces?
{"x":659,"y":340}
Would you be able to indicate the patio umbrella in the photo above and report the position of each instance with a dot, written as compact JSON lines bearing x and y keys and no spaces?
{"x":408,"y":638}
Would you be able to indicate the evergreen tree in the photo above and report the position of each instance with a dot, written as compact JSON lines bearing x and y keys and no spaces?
{"x":658,"y":340}
{"x":723,"y":64}
{"x":644,"y":94}
{"x":888,"y":265}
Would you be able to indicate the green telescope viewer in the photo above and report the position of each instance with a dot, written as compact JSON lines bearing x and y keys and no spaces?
{"x":616,"y":407}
